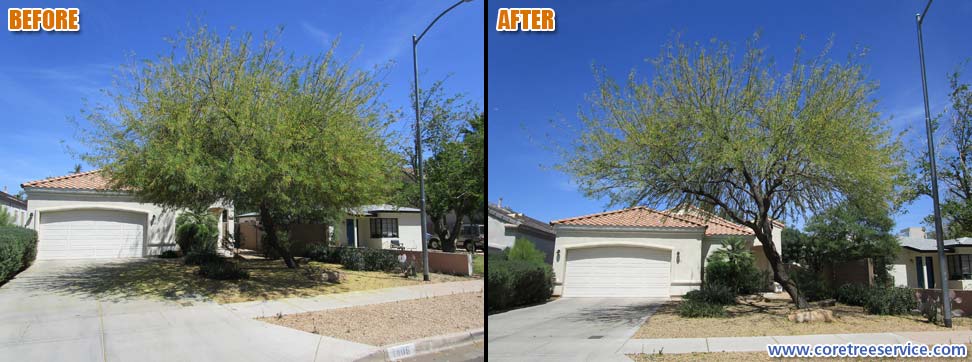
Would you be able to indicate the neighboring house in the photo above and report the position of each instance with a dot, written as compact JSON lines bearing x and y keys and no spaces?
{"x":640,"y":252}
{"x":78,"y":216}
{"x":917,"y":265}
{"x":381,"y":227}
{"x":16,"y":208}
{"x":504,"y":226}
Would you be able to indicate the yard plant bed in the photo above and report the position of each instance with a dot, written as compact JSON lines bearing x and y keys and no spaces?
{"x":395,"y":322}
{"x":769,"y":319}
{"x":269,"y":279}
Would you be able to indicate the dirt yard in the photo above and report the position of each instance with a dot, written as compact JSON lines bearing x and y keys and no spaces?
{"x":769,"y":319}
{"x":388,"y":323}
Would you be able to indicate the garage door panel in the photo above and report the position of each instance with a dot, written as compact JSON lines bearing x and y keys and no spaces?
{"x":617,"y":271}
{"x":90,"y":234}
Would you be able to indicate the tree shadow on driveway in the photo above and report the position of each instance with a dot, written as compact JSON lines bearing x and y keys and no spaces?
{"x":614,"y":314}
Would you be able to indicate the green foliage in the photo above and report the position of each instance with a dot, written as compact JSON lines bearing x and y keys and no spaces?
{"x":853,"y":294}
{"x":512,"y":283}
{"x":713,"y":294}
{"x":846,"y":232}
{"x":811,"y":285}
{"x":197,"y":258}
{"x":197,"y":231}
{"x":890,"y":301}
{"x":734,"y":266}
{"x":524,"y":250}
{"x":18,"y":248}
{"x":356,"y":258}
{"x":700,"y":309}
{"x":222,"y":269}
{"x":169,"y":254}
{"x":5,"y":218}
{"x":223,"y":117}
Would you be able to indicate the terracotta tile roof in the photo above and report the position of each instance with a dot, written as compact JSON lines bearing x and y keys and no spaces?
{"x":91,"y":180}
{"x":717,"y":225}
{"x":638,"y":216}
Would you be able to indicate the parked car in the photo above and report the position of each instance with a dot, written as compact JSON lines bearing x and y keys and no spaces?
{"x":471,"y":237}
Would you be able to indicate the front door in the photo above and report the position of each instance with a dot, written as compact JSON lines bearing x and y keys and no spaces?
{"x":349,"y":226}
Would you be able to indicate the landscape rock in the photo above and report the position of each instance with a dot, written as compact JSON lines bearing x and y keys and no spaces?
{"x":811,"y":316}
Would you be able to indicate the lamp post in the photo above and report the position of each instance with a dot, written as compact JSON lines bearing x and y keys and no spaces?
{"x":946,"y":299}
{"x":418,"y":142}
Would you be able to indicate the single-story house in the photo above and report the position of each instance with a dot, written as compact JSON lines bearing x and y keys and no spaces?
{"x":505,"y":226}
{"x":381,"y":227}
{"x":917,"y":265}
{"x":641,"y":252}
{"x":14,"y":207}
{"x":78,"y":216}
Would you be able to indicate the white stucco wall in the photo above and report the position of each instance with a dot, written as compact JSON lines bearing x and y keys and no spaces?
{"x":18,"y":216}
{"x":685,"y":247}
{"x":160,"y":224}
{"x":409,"y":231}
{"x":496,"y":236}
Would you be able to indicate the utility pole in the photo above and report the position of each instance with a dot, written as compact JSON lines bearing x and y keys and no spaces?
{"x":939,"y":238}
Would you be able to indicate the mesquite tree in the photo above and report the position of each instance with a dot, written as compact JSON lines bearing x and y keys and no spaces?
{"x":738,"y":137}
{"x":222,"y":118}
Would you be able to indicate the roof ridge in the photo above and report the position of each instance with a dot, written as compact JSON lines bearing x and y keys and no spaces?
{"x":624,"y":210}
{"x":58,"y":178}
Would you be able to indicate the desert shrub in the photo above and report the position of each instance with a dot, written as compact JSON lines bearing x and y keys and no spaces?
{"x":852,"y":294}
{"x":512,"y":283}
{"x":197,"y":258}
{"x":355,"y":258}
{"x":700,"y":309}
{"x":18,"y":248}
{"x":197,"y":231}
{"x":811,"y":284}
{"x":169,"y":254}
{"x":5,"y":218}
{"x":890,"y":301}
{"x":524,"y":250}
{"x":379,"y":260}
{"x":324,"y":253}
{"x":221,"y":269}
{"x":713,"y":294}
{"x":734,"y":266}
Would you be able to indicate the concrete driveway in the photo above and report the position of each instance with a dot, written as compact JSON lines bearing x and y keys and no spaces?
{"x":54,"y":312}
{"x":573,"y":329}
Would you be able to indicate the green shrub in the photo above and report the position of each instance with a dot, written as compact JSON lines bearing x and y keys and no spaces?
{"x":323,"y":253}
{"x":811,"y":285}
{"x":512,"y":283}
{"x":169,"y":254}
{"x":5,"y":218}
{"x":197,"y":258}
{"x":355,"y":258}
{"x":700,"y":309}
{"x":221,"y":269}
{"x":890,"y":301}
{"x":734,"y":266}
{"x":18,"y":248}
{"x":197,"y":231}
{"x":714,"y":294}
{"x":524,"y":250}
{"x":852,"y":294}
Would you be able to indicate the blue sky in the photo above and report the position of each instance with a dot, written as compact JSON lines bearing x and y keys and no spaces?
{"x":538,"y":77}
{"x":44,"y":77}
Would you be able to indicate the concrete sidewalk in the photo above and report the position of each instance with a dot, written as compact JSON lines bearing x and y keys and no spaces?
{"x":757,"y":344}
{"x":269,"y":308}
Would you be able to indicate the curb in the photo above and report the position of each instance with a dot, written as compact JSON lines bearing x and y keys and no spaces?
{"x":427,"y":345}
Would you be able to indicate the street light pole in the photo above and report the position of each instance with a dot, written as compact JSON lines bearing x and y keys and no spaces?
{"x":418,"y":142}
{"x":939,"y":238}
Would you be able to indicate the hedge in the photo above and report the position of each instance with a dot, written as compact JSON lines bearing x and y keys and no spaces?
{"x":355,"y":258}
{"x":18,"y":248}
{"x":512,"y":283}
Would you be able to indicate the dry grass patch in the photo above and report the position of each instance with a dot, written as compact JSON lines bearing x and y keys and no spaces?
{"x":769,"y":319}
{"x":758,"y":356}
{"x":269,"y":279}
{"x":387,"y":323}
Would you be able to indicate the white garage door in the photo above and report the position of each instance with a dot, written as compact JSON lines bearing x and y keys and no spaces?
{"x":617,"y":272}
{"x":78,"y":234}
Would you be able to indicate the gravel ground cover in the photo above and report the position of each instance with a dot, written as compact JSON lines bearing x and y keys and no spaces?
{"x":395,"y":322}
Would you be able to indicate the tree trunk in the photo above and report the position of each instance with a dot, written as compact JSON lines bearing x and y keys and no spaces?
{"x":776,"y":263}
{"x":270,"y":238}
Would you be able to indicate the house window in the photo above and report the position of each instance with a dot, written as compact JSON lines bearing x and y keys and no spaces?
{"x":960,"y":266}
{"x":384,"y":228}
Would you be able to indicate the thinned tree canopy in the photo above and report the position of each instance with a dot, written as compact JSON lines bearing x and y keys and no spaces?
{"x":222,"y":118}
{"x":710,"y":129}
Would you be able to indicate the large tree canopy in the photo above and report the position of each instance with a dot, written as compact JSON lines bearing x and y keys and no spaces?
{"x":737,"y":136}
{"x":227,"y":119}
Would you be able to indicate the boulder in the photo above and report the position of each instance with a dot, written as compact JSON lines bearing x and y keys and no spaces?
{"x":811,"y":316}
